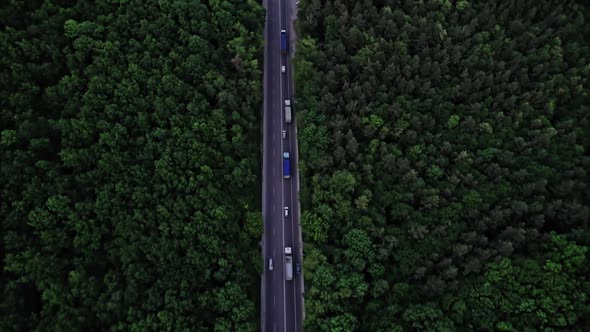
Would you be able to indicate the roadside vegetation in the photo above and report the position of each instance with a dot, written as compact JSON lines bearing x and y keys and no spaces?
{"x":129,"y":172}
{"x":445,"y":155}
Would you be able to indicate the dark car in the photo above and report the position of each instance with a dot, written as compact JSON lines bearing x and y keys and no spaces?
{"x":298,"y":268}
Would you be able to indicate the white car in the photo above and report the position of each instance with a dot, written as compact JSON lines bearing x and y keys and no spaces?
{"x":283,"y":69}
{"x":287,"y":102}
{"x":286,"y":211}
{"x":284,"y":134}
{"x":270,"y":268}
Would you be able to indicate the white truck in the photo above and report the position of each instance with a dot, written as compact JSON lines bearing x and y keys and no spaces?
{"x":287,"y":111}
{"x":288,"y":264}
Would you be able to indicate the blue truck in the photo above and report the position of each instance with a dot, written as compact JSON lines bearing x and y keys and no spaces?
{"x":284,"y":41}
{"x":286,"y":165}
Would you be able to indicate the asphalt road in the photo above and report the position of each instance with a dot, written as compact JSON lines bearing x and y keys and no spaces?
{"x":281,"y":299}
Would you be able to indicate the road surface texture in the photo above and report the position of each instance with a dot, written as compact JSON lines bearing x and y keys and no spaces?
{"x":282,"y":300}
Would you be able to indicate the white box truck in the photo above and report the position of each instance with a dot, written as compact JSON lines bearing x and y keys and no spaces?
{"x":287,"y":111}
{"x":288,"y":264}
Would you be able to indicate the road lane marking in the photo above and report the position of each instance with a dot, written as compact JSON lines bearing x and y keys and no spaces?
{"x":294,"y":238}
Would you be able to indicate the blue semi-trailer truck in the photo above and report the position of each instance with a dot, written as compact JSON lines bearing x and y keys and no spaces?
{"x":286,"y":165}
{"x":284,"y":41}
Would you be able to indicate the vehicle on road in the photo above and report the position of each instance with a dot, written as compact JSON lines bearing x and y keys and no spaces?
{"x":284,"y":132}
{"x":286,"y":211}
{"x":298,"y":268}
{"x":288,"y":264}
{"x":287,"y":111}
{"x":286,"y":165}
{"x":288,"y":114}
{"x":283,"y":69}
{"x":270,"y":267}
{"x":284,"y":41}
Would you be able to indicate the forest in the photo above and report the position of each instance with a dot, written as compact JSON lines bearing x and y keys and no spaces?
{"x":130,"y":165}
{"x":444,"y":151}
{"x":444,"y":156}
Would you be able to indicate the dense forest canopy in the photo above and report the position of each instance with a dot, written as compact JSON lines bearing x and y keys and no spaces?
{"x":445,"y":157}
{"x":129,"y":170}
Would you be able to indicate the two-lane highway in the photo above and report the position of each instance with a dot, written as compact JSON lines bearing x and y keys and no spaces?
{"x":281,"y":298}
